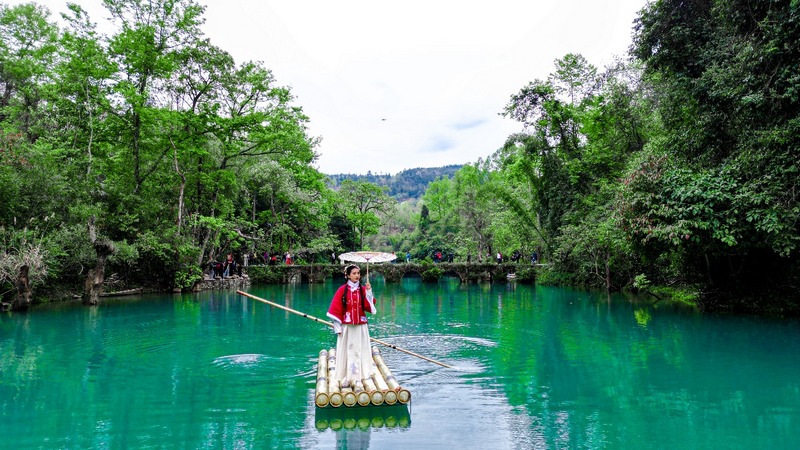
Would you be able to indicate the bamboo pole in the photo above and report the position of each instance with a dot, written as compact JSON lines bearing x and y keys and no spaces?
{"x":408,"y":352}
{"x":334,"y":392}
{"x":349,"y":397}
{"x":361,"y":395}
{"x":389,"y":396}
{"x":403,"y":395}
{"x":321,"y":398}
{"x":336,"y":398}
{"x":375,"y":396}
{"x":325,"y":322}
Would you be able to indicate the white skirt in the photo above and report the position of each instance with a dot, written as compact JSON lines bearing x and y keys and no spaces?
{"x":353,"y":355}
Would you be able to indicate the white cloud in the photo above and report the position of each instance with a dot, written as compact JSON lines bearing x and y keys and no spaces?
{"x":396,"y":85}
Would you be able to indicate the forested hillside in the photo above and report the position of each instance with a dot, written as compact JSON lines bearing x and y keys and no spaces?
{"x":407,"y":184}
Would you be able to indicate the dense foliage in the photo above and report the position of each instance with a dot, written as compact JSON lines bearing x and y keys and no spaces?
{"x":676,"y":167}
{"x":719,"y":187}
{"x":156,"y":141}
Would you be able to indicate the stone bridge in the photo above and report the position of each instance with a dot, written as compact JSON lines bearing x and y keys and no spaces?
{"x":391,"y":272}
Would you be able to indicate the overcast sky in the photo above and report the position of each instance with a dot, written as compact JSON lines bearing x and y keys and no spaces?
{"x":396,"y":85}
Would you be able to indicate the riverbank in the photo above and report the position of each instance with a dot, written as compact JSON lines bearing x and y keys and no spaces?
{"x":233,"y":282}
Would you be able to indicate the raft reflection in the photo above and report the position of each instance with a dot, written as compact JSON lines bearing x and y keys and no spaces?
{"x":395,"y":416}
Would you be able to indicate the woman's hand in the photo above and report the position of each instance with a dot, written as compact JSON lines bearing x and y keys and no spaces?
{"x":368,"y":286}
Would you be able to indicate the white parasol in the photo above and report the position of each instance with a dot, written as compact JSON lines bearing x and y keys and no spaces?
{"x":368,"y":257}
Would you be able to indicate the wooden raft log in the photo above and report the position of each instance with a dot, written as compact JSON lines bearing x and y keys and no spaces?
{"x":349,"y":397}
{"x":389,"y":396}
{"x":361,"y":395}
{"x":334,"y":392}
{"x":403,"y":395}
{"x":375,"y":396}
{"x":321,"y":397}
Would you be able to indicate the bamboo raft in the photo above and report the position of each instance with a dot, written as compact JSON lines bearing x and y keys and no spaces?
{"x":381,"y":388}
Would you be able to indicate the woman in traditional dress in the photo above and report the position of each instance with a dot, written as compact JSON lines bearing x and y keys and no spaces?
{"x":348,"y":311}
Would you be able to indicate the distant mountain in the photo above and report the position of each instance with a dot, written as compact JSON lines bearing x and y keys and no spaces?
{"x":410,"y":183}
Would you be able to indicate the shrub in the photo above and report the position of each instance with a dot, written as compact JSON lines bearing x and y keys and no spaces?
{"x":430,"y":273}
{"x":265,"y":274}
{"x":526,"y":275}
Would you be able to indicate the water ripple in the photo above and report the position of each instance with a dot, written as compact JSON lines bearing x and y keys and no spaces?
{"x":245,"y":360}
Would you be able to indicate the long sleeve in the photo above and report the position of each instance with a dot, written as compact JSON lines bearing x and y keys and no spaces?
{"x":336,"y":310}
{"x":370,"y":302}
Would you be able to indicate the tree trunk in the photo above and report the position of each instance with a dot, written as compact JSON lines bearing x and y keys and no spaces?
{"x":96,"y":276}
{"x":182,"y":190}
{"x":93,"y":285}
{"x":22,"y":300}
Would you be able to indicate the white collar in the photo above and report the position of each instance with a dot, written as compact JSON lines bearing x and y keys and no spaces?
{"x":353,"y":285}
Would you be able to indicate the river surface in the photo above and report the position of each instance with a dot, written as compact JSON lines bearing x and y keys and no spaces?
{"x":535,"y":367}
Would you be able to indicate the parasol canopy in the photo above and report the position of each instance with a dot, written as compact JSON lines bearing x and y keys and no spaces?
{"x":368,"y":257}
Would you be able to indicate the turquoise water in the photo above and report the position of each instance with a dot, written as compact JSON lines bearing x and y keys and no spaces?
{"x":536,"y":367}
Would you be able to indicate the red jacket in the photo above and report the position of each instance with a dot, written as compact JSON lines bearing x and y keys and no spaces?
{"x":353,"y":310}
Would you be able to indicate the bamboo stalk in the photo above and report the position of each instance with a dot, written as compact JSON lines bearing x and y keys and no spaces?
{"x":408,"y":352}
{"x":334,"y":391}
{"x":403,"y":395}
{"x":321,"y":398}
{"x":361,"y":395}
{"x":349,"y":397}
{"x":389,"y":396}
{"x":380,"y":383}
{"x":336,"y":398}
{"x":375,"y":396}
{"x":325,"y":322}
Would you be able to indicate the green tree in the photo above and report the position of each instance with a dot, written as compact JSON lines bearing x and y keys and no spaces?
{"x":360,"y":204}
{"x":474,"y":208}
{"x":558,"y":176}
{"x":28,"y":48}
{"x":158,"y":139}
{"x":714,"y":187}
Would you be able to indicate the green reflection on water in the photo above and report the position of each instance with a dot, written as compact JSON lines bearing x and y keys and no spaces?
{"x":535,"y":367}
